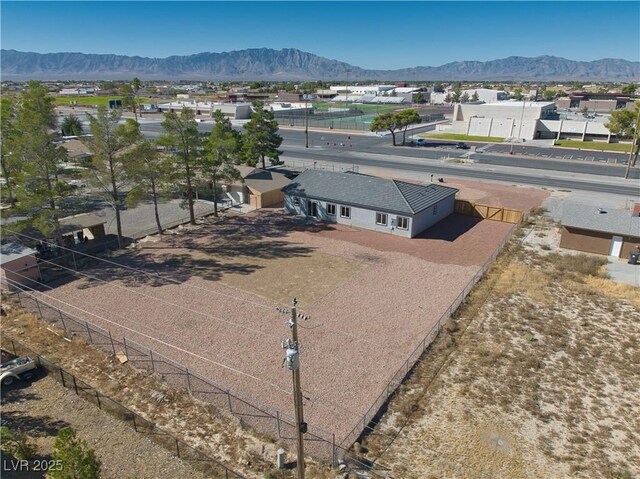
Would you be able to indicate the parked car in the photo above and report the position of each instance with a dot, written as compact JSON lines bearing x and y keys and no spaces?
{"x":462,"y":146}
{"x":421,"y":142}
{"x":19,"y":369}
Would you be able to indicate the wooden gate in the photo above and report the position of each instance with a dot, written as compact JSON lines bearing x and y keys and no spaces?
{"x":488,"y":212}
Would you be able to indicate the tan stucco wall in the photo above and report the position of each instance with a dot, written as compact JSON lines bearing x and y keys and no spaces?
{"x":594,"y":242}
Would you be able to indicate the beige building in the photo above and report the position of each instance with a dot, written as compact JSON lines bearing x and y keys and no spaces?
{"x":19,"y":265}
{"x":523,"y":120}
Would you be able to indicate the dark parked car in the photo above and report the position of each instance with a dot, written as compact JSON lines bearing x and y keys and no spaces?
{"x":462,"y":146}
{"x":421,"y":142}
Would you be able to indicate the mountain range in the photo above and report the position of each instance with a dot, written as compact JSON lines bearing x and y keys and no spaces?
{"x":292,"y":64}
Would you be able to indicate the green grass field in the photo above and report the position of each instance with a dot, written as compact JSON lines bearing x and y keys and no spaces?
{"x":89,"y":100}
{"x":594,"y":145}
{"x":456,"y":136}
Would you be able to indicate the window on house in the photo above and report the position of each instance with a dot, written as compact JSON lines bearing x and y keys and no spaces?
{"x":296,"y":201}
{"x":403,"y":223}
{"x":331,"y":209}
{"x":435,"y":209}
{"x":345,"y":212}
{"x":381,"y":219}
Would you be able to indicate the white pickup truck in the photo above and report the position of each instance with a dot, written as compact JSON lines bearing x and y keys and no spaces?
{"x":18,"y":369}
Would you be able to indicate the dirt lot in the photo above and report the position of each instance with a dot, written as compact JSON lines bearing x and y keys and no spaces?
{"x":211,"y":293}
{"x":536,"y":378}
{"x":42,"y":408}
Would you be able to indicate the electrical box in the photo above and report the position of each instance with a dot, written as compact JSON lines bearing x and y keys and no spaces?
{"x":292,"y":359}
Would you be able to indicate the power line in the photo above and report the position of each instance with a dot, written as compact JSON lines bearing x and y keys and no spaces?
{"x":113,"y":284}
{"x":164,"y":343}
{"x":334,"y":330}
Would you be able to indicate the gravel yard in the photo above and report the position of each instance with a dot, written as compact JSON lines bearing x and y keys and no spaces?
{"x":212,"y":304}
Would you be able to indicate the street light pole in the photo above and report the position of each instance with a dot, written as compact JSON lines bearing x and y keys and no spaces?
{"x":521,"y":119}
{"x":633,"y":144}
{"x":306,"y":121}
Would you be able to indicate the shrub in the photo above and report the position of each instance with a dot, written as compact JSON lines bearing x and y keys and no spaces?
{"x":78,"y":459}
{"x":16,"y":445}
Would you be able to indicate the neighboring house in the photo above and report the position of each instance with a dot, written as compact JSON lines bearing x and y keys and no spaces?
{"x":19,"y":264}
{"x":379,"y":204}
{"x":603,"y":231}
{"x":258,"y":188}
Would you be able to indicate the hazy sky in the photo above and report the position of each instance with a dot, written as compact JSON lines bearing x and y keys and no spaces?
{"x":384,"y":35}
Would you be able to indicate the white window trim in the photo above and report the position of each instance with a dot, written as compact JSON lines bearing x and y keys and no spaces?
{"x":348,"y":215}
{"x":335,"y":209}
{"x":399,"y":220}
{"x":386,"y":219}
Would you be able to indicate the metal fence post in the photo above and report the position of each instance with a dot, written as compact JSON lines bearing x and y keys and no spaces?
{"x":177,"y":448}
{"x":153,"y":367}
{"x":40,"y":310}
{"x":73,"y":256}
{"x":19,"y":299}
{"x":62,"y":377}
{"x":88,"y":332}
{"x":98,"y":399}
{"x":135,"y":428}
{"x":333,"y":451}
{"x":126,"y":352}
{"x":188,"y":380}
{"x":75,"y":385}
{"x":229,"y":399}
{"x":278,"y":423}
{"x":113,"y":348}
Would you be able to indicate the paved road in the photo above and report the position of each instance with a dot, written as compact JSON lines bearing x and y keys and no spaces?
{"x":440,"y":168}
{"x":330,"y":146}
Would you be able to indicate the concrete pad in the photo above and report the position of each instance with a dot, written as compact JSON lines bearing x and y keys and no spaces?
{"x":622,"y":272}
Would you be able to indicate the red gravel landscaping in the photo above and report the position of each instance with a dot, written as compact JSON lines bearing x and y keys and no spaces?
{"x":372,"y":298}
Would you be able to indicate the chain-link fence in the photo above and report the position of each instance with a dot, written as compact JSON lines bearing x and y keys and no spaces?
{"x":199,"y":460}
{"x":261,"y":418}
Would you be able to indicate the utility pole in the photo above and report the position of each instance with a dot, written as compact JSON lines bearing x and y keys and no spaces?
{"x":292,"y":360}
{"x":633,"y":144}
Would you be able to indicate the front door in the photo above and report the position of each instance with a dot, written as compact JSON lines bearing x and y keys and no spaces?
{"x":312,"y":208}
{"x":616,"y":246}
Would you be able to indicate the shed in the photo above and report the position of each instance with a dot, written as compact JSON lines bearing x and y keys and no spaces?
{"x":19,"y":264}
{"x":82,"y":227}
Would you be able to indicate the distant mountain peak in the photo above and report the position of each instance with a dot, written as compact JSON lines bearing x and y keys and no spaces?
{"x":297,"y":65}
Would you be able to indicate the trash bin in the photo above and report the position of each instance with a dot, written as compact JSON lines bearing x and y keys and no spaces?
{"x":634,"y":257}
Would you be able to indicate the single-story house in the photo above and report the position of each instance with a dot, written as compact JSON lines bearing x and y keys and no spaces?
{"x":258,"y":188}
{"x":379,"y":204}
{"x":19,"y":264}
{"x":611,"y":232}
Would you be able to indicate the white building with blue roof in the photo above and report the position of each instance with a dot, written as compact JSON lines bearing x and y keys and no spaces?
{"x":379,"y":204}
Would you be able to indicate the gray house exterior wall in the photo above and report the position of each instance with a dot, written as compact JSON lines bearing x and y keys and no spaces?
{"x":366,"y":218}
{"x":426,"y":219}
{"x":360,"y":217}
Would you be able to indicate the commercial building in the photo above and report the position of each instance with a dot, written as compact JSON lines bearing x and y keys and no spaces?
{"x":235,"y":111}
{"x":596,"y":102}
{"x":379,"y":204}
{"x":522,"y":120}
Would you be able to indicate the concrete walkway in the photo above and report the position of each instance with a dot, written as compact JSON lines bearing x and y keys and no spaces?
{"x":622,"y":272}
